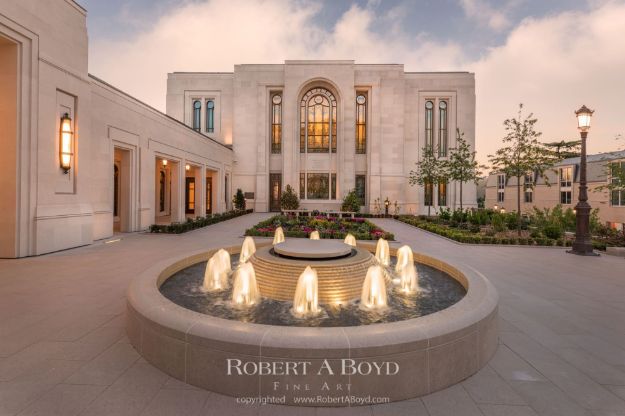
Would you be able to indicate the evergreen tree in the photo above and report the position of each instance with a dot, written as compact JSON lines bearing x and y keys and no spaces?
{"x":289,"y":199}
{"x":239,"y":200}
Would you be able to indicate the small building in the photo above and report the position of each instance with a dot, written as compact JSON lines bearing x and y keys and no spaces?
{"x":561,"y":186}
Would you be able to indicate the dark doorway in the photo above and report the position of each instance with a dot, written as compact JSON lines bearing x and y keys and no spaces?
{"x":275,"y":191}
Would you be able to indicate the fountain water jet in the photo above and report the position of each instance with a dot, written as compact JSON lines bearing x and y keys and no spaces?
{"x":350,"y":239}
{"x":247,"y":249}
{"x":305,"y":301}
{"x":314,"y":235}
{"x":245,"y":290}
{"x":404,"y":258}
{"x":408,"y":282}
{"x":278,"y":236}
{"x":382,"y":252}
{"x":374,"y":289}
{"x":217,"y":270}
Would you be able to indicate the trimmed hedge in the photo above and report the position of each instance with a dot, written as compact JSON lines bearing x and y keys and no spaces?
{"x":195,"y":223}
{"x":466,"y":236}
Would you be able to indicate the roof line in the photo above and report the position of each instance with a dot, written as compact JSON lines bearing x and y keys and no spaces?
{"x":157,"y":111}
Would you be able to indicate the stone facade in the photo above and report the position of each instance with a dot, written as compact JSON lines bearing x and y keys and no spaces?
{"x":395,"y":105}
{"x":43,"y":75}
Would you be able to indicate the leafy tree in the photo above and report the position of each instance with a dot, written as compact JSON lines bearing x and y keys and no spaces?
{"x":522,"y":154}
{"x":430,"y":170}
{"x":565,"y":149}
{"x":461,"y":165}
{"x":351,"y":202}
{"x":289,"y":199}
{"x":239,"y":200}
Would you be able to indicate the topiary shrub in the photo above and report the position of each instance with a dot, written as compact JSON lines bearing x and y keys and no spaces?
{"x":289,"y":199}
{"x":239,"y":200}
{"x":351,"y":202}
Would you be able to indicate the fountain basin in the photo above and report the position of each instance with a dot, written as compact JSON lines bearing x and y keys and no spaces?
{"x":431,"y":352}
{"x":312,"y":249}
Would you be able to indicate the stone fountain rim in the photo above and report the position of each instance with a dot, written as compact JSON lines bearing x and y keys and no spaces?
{"x":148,"y":308}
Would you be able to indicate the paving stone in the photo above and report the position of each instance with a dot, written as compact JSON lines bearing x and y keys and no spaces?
{"x":488,"y":387}
{"x":506,"y":410}
{"x":176,"y":402}
{"x":107,"y":367}
{"x":451,"y":401}
{"x":63,"y":400}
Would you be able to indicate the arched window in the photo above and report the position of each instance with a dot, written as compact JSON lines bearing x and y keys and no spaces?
{"x":442,"y":128}
{"x":197,"y":112}
{"x":429,"y":124}
{"x":276,"y":123}
{"x":318,"y":122}
{"x":361,"y":123}
{"x":210,"y":116}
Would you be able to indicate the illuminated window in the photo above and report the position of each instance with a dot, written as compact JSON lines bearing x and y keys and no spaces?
{"x":276,"y":123}
{"x":318,"y":122}
{"x":428,"y":193}
{"x":442,"y":194}
{"x":361,"y":123}
{"x":529,"y":188}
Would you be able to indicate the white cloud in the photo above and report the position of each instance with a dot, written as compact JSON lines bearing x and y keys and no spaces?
{"x":552,"y":65}
{"x":484,"y":13}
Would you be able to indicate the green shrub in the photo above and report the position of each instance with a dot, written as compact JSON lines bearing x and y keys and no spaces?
{"x":475,"y":228}
{"x":239,"y":200}
{"x":289,"y":199}
{"x":498,"y":223}
{"x":351,"y":202}
{"x":553,"y":230}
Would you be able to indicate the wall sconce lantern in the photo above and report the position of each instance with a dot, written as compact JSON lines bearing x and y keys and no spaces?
{"x":164,"y":162}
{"x":187,"y":167}
{"x":65,"y":145}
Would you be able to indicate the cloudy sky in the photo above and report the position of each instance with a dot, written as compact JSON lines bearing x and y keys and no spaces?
{"x":551,"y":55}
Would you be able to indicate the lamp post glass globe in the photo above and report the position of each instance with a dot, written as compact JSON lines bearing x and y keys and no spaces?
{"x":584,"y":114}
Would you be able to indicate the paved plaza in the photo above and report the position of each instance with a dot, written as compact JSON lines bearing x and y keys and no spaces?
{"x":63,"y":348}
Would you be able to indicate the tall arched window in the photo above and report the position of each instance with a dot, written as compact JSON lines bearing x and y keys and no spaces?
{"x":429,"y":124}
{"x":197,"y":113}
{"x":276,"y":123}
{"x":361,"y":123}
{"x":210,"y":116}
{"x":318,"y":122}
{"x":442,"y":128}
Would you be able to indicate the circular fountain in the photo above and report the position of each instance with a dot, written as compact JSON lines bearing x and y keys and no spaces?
{"x":327,"y":320}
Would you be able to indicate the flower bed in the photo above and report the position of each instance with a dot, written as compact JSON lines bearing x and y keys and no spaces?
{"x":301,"y":227}
{"x":199,"y":222}
{"x":488,"y":227}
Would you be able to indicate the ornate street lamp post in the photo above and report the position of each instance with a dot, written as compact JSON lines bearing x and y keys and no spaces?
{"x":583,"y":243}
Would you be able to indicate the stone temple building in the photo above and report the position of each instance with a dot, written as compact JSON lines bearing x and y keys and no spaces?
{"x":87,"y":160}
{"x":327,"y":127}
